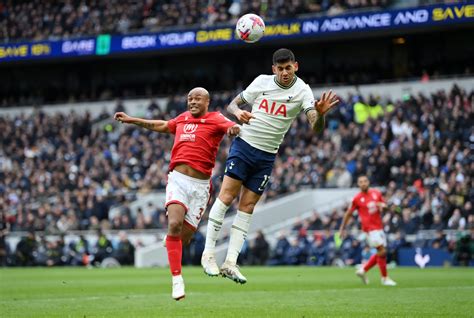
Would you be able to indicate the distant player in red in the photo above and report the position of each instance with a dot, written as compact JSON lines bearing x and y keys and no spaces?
{"x":198,"y":134}
{"x":369,"y":203}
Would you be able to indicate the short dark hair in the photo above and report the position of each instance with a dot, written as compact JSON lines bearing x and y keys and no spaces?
{"x":283,"y":56}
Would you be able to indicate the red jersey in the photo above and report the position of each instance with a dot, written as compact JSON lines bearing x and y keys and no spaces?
{"x":366,"y":206}
{"x":197,"y":139}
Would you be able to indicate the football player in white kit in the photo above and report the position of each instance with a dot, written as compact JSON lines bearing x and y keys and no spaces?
{"x":276,"y":101}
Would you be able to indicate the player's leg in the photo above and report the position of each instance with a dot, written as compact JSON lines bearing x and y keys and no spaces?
{"x":174,"y":247}
{"x":187,"y":234}
{"x":361,"y":272}
{"x":238,"y":234}
{"x":252,"y":190}
{"x":229,"y":191}
{"x":236,"y":171}
{"x":382,"y":262}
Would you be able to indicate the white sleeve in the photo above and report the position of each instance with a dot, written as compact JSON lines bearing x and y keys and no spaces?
{"x":253,"y":90}
{"x":308,"y":100}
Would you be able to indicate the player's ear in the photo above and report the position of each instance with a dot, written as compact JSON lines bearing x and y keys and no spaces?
{"x":296,"y":66}
{"x":274,"y":69}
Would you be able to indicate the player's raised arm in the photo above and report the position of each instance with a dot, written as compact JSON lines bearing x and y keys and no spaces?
{"x":155,"y":125}
{"x":316,"y":117}
{"x":242,"y":116}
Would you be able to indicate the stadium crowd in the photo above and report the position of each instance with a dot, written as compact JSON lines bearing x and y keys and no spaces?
{"x":64,"y":172}
{"x":40,"y":20}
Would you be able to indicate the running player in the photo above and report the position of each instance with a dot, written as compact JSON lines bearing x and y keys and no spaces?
{"x":276,"y":101}
{"x":198,"y":134}
{"x":369,"y":203}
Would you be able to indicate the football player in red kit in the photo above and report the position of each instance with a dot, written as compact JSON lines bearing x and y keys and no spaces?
{"x":198,"y":134}
{"x":369,"y":203}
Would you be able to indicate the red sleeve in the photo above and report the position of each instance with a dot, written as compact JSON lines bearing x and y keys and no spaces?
{"x":353,"y":205}
{"x":225,"y":123}
{"x":173,"y":122}
{"x":172,"y":125}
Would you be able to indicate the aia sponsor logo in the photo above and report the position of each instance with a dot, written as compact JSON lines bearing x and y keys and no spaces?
{"x":272,"y":109}
{"x":190,"y":128}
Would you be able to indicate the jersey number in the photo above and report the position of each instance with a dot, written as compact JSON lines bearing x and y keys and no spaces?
{"x":264,"y":183}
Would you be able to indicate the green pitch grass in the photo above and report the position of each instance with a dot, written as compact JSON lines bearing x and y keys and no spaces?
{"x":270,"y":292}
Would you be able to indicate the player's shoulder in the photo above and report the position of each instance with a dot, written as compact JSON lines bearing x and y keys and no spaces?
{"x":300,"y":81}
{"x":263,"y":80}
{"x":300,"y":84}
{"x":357,"y":196}
{"x":375,"y":191}
{"x":216,"y":115}
{"x":183,"y":116}
{"x":265,"y":77}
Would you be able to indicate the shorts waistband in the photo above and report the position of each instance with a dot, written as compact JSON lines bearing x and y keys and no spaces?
{"x":182,"y":175}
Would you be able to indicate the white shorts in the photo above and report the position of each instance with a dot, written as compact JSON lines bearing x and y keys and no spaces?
{"x":193,"y":194}
{"x":376,"y":238}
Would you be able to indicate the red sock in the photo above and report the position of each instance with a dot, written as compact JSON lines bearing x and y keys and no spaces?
{"x":174,"y":247}
{"x":370,"y":263}
{"x":382,"y":261}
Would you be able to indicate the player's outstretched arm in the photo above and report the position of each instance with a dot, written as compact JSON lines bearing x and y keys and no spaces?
{"x":242,"y":115}
{"x":326,"y":103}
{"x":155,"y":125}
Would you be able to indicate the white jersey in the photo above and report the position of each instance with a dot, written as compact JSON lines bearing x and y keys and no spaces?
{"x":274,"y":107}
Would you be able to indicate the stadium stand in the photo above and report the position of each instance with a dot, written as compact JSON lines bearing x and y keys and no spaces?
{"x":39,"y":20}
{"x":70,"y":181}
{"x":74,"y":168}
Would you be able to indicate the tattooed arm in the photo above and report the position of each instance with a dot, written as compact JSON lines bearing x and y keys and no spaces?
{"x":155,"y":125}
{"x":316,"y":116}
{"x":242,"y":115}
{"x":317,"y":121}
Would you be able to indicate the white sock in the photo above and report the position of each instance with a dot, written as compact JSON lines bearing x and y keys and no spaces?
{"x":238,"y":234}
{"x":177,"y":278}
{"x":214,"y":225}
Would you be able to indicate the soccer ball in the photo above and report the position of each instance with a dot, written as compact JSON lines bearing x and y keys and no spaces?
{"x":250,"y":28}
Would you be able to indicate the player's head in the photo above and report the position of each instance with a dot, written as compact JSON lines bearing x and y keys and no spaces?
{"x":198,"y":101}
{"x":363,"y":183}
{"x":284,"y":66}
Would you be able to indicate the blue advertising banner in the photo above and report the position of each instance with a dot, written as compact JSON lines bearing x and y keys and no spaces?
{"x":426,"y":257}
{"x":410,"y":18}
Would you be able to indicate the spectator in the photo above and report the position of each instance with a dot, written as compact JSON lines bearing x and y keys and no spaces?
{"x":125,"y":253}
{"x":440,"y":242}
{"x":260,"y":250}
{"x":24,"y":254}
{"x":103,"y":248}
{"x":463,"y":252}
{"x":79,"y":252}
{"x":457,"y":221}
{"x":54,"y":254}
{"x":317,"y":253}
{"x":39,"y":20}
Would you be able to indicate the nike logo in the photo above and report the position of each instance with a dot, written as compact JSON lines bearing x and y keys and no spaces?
{"x":264,"y":93}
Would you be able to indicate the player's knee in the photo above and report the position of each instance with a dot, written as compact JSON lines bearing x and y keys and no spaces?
{"x":174,"y":227}
{"x":247,"y":207}
{"x":227,"y":197}
{"x":382,"y":252}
